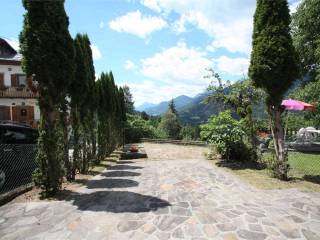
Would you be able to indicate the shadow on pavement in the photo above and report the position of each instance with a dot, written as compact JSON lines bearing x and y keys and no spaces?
{"x":115,"y":201}
{"x":240,"y":165}
{"x":124,"y":162}
{"x":111,"y":183}
{"x":312,"y":178}
{"x":124,"y":167}
{"x":120,"y":174}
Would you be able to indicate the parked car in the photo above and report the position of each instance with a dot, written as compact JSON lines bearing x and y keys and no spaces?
{"x":17,"y":155}
{"x":307,"y":140}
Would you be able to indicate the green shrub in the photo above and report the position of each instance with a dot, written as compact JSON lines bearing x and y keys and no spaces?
{"x":138,"y":128}
{"x":188,"y":133}
{"x":241,"y":151}
{"x":262,"y":125}
{"x":224,"y":132}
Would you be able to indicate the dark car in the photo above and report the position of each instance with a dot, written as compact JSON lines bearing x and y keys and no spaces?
{"x":17,"y":155}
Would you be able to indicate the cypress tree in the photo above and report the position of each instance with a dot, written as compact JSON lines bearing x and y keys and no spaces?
{"x":273,"y":66}
{"x":48,"y":56}
{"x":172,"y":107}
{"x":77,"y":88}
{"x":123,"y":114}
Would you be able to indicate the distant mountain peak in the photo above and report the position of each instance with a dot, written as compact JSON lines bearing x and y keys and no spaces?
{"x":158,"y":109}
{"x":144,"y":106}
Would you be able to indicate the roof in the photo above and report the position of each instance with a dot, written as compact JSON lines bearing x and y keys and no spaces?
{"x":12,"y":54}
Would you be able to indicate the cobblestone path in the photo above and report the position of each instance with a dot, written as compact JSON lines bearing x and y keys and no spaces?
{"x":166,"y":199}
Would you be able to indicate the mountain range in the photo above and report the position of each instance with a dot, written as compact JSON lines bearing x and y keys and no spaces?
{"x":190,"y":110}
{"x":194,"y":111}
{"x":162,"y":107}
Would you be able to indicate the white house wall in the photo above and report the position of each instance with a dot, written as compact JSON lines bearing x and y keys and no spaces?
{"x":7,"y":73}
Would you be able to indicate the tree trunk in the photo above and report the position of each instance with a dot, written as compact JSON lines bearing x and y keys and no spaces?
{"x":76,"y":147}
{"x":281,"y":168}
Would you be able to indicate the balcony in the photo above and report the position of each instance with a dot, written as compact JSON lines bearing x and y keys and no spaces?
{"x":17,"y":92}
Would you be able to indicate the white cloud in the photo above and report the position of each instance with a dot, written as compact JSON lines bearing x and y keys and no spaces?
{"x":178,"y":64}
{"x":232,"y":66}
{"x":172,"y":72}
{"x":129,"y":65}
{"x":137,"y":24}
{"x":229,"y":23}
{"x":13,"y":43}
{"x":152,"y":4}
{"x":101,"y":24}
{"x":180,"y":71}
{"x":96,"y":54}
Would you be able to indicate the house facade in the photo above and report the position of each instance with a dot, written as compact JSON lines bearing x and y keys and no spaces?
{"x":18,"y":98}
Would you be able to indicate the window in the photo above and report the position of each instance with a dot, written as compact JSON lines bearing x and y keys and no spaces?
{"x":22,"y":80}
{"x":23,"y":112}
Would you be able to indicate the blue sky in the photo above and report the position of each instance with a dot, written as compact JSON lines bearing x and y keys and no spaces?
{"x":160,"y":48}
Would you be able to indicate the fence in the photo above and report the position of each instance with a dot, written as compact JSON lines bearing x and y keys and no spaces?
{"x":303,"y":165}
{"x":180,"y":142}
{"x":17,"y":163}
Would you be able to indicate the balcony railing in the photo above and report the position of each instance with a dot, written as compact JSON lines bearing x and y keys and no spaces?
{"x":17,"y":92}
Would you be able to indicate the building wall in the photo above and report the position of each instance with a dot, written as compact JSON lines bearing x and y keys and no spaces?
{"x":7,"y":73}
{"x":21,"y":102}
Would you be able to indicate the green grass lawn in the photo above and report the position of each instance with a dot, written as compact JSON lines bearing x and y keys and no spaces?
{"x":307,"y":164}
{"x":304,"y":173}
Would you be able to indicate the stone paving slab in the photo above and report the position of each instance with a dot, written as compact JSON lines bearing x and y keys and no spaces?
{"x":166,"y":199}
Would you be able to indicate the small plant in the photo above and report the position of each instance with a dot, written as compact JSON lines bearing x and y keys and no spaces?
{"x":277,"y":168}
{"x":212,"y":153}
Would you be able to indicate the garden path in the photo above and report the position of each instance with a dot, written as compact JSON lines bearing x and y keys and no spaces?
{"x":166,"y":199}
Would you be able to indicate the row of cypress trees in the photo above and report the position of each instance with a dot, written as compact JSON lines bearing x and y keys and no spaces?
{"x":72,"y":103}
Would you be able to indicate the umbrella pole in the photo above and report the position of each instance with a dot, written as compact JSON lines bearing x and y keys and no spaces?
{"x":286,"y":125}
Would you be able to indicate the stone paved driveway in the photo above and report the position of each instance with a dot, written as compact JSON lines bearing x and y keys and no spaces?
{"x":166,"y":199}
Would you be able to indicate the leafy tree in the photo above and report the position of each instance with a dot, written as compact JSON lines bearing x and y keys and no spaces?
{"x":218,"y":88}
{"x":306,"y":37}
{"x":273,"y":66}
{"x":169,"y":125}
{"x":242,"y":96}
{"x":137,"y":128}
{"x":129,"y":103}
{"x":309,"y":93}
{"x":224,"y":132}
{"x":144,"y":115}
{"x":188,"y":132}
{"x":48,"y":56}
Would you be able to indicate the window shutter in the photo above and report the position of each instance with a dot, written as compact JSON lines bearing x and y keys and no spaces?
{"x":14,"y":80}
{"x":1,"y":81}
{"x":29,"y":82}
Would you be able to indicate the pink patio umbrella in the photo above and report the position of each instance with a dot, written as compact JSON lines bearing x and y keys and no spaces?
{"x":297,"y":105}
